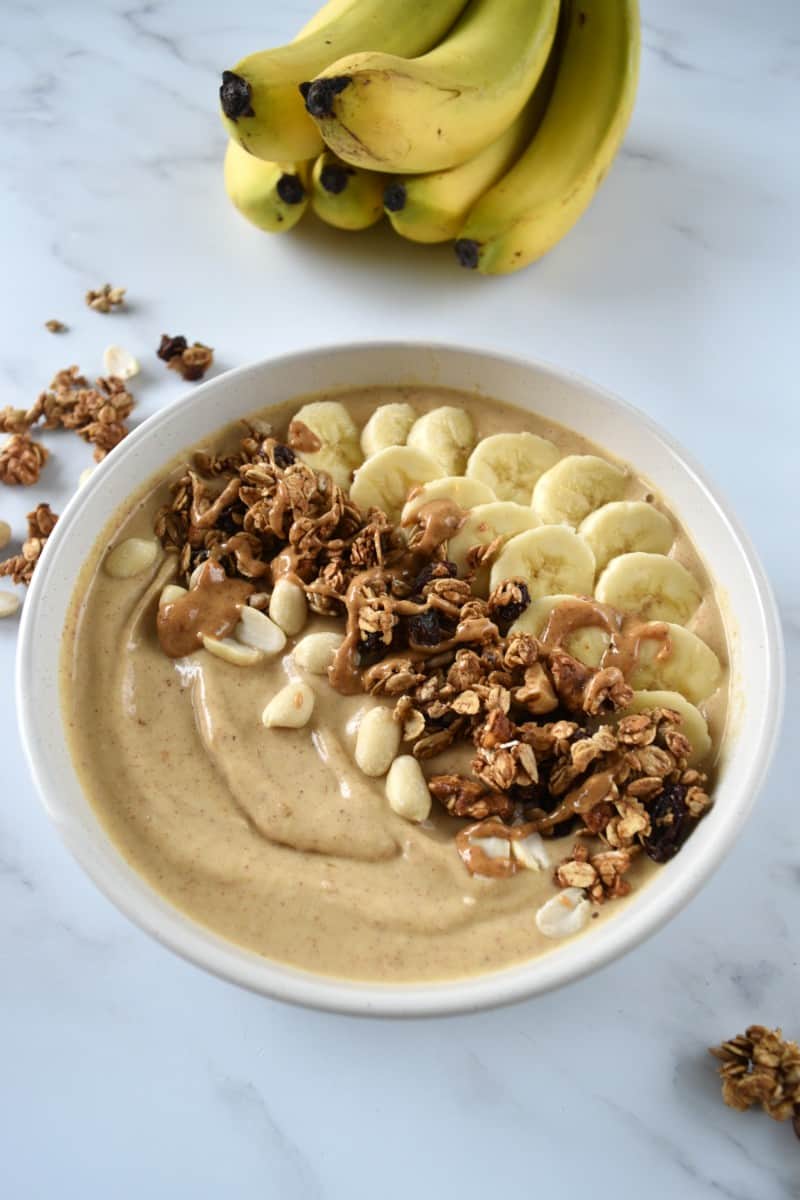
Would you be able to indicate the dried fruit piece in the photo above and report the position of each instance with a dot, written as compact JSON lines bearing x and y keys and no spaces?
{"x":191,"y":362}
{"x":670,"y":823}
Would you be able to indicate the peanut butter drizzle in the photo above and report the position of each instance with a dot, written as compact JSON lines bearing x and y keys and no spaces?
{"x":474,"y":857}
{"x":344,"y":674}
{"x":440,"y":520}
{"x":301,"y":438}
{"x":626,"y":631}
{"x":581,"y":799}
{"x":210,"y":608}
{"x":205,"y":518}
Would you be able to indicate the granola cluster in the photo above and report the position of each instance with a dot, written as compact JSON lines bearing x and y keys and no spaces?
{"x":41,"y":523}
{"x":246,"y":509}
{"x":760,"y":1067}
{"x":549,"y":754}
{"x":97,"y":414}
{"x":191,"y":362}
{"x":21,"y":460}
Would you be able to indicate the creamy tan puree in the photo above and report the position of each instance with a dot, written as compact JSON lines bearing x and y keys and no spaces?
{"x":396,"y":684}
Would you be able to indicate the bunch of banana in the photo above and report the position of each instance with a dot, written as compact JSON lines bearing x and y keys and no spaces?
{"x":498,"y":119}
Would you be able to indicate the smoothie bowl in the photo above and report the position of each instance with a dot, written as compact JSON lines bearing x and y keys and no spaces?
{"x":399,"y":678}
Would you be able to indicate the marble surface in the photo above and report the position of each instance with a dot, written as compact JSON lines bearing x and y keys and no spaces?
{"x":127,"y":1072}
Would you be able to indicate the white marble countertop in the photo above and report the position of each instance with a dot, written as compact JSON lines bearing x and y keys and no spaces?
{"x":127,"y":1072}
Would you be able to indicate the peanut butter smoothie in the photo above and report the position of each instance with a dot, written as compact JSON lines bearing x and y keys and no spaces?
{"x":396,"y":684}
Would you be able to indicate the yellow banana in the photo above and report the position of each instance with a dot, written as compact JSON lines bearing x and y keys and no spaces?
{"x":549,"y":188}
{"x":272,"y":196}
{"x":344,"y":196}
{"x":432,"y":208}
{"x":390,"y":113}
{"x":262,"y":108}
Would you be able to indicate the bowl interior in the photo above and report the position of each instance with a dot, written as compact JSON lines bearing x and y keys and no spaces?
{"x":756,"y":666}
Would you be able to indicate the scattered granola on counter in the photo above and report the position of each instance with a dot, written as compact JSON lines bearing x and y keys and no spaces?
{"x":54,"y":326}
{"x":41,"y":523}
{"x":191,"y":362}
{"x":105,"y":298}
{"x":552,"y":755}
{"x":97,"y":414}
{"x":21,"y":460}
{"x":760,"y":1067}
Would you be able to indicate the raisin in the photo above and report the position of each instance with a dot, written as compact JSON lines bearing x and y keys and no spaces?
{"x":230,"y":522}
{"x":425,"y":628}
{"x":434,"y":570}
{"x":284,"y":456}
{"x":671,"y":823}
{"x":371,"y":648}
{"x":505,"y":615}
{"x":171,"y":347}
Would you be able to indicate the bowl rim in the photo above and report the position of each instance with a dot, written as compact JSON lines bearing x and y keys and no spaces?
{"x":272,"y":978}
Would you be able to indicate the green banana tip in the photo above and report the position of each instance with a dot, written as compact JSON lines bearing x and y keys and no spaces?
{"x":319,"y":94}
{"x":468,"y":252}
{"x":235,"y":95}
{"x":394,"y":197}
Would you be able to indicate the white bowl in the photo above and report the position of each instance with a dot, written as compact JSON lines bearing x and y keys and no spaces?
{"x":748,"y":605}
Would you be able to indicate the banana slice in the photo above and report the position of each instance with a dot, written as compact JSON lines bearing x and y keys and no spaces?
{"x":658,"y":588}
{"x":510,"y":463}
{"x":693,"y":723}
{"x":623,"y":526}
{"x":575,"y":486}
{"x":682,"y":664}
{"x":551,"y":559}
{"x":466,"y":493}
{"x":386,"y":478}
{"x":487,"y":522}
{"x":389,"y":425}
{"x":446,"y":435}
{"x":588,"y":644}
{"x":324,"y":436}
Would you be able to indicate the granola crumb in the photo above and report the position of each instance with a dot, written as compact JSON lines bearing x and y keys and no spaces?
{"x":105,"y":298}
{"x":21,"y":460}
{"x":41,"y":522}
{"x":760,"y":1066}
{"x":55,"y":326}
{"x":191,"y":362}
{"x":14,"y":420}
